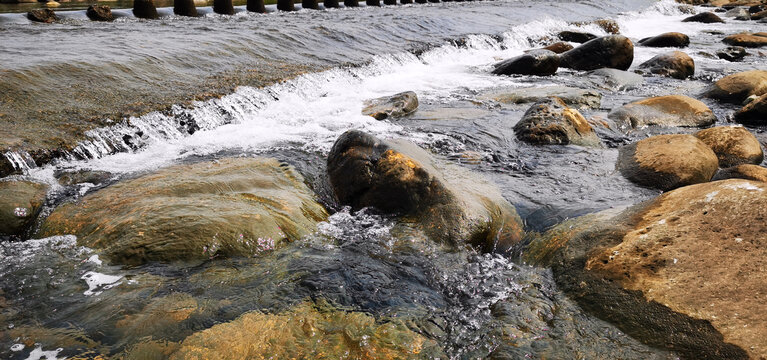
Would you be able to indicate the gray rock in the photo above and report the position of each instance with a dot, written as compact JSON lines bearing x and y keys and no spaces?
{"x":614,"y":79}
{"x":551,"y":122}
{"x":579,"y":98}
{"x":397,"y":105}
{"x":536,"y":62}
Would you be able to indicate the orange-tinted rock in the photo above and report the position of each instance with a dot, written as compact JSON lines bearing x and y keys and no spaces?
{"x":671,"y":110}
{"x":737,"y":87}
{"x":733,"y":145}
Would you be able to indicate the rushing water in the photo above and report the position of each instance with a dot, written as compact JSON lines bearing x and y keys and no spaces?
{"x":74,"y":303}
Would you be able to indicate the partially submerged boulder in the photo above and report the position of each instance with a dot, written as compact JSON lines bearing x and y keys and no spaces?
{"x":144,"y":9}
{"x":732,"y":53}
{"x":733,"y":145}
{"x":551,"y":122}
{"x":559,"y":47}
{"x":745,"y":171}
{"x":671,"y":110}
{"x":536,"y":62}
{"x":737,"y":87}
{"x":447,"y":202}
{"x":748,"y":40}
{"x":576,"y":36}
{"x":675,"y":64}
{"x":20,"y":203}
{"x":395,"y":106}
{"x":614,"y":79}
{"x":704,"y":17}
{"x":667,"y":162}
{"x":576,"y":97}
{"x":614,"y":51}
{"x":229,"y":207}
{"x":42,"y":15}
{"x":755,"y":112}
{"x":99,"y":13}
{"x":669,"y":39}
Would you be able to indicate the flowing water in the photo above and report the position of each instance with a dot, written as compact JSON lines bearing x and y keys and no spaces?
{"x":59,"y":300}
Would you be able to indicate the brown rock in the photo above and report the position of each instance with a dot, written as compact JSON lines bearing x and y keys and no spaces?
{"x":733,"y":145}
{"x":669,"y":39}
{"x":551,"y":122}
{"x":559,"y":47}
{"x":671,"y":110}
{"x":745,"y":171}
{"x":42,"y":15}
{"x":759,"y":15}
{"x":704,"y":17}
{"x":736,"y":88}
{"x":746,"y":40}
{"x":754,"y":112}
{"x":675,"y":64}
{"x":20,"y":203}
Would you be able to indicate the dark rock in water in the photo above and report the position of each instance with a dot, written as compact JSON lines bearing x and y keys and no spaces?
{"x":667,"y":162}
{"x":223,"y":7}
{"x":575,"y":97}
{"x":733,"y":145}
{"x":559,"y":47}
{"x":395,"y":106}
{"x":671,"y":110}
{"x":330,"y":4}
{"x":614,"y":79}
{"x":42,"y":15}
{"x":755,"y":9}
{"x":447,"y":202}
{"x":6,"y":167}
{"x":754,"y":113}
{"x":675,"y":64}
{"x":745,"y":171}
{"x":732,"y":53}
{"x":737,"y":87}
{"x":747,"y":40}
{"x":679,"y":272}
{"x":759,"y":15}
{"x":704,"y":17}
{"x":310,"y":4}
{"x":256,"y":6}
{"x":20,"y":202}
{"x":614,"y":51}
{"x":351,"y":3}
{"x":184,"y":8}
{"x":286,"y":5}
{"x":228,"y":207}
{"x":576,"y":37}
{"x":739,"y":14}
{"x":375,"y":2}
{"x":144,"y":9}
{"x":551,"y":122}
{"x":536,"y":62}
{"x":99,"y":13}
{"x":669,"y":39}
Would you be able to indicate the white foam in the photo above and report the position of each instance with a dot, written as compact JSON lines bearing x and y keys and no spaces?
{"x":95,"y":259}
{"x":98,"y":282}
{"x":38,"y":353}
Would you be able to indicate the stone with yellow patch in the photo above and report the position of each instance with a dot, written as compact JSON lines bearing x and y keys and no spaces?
{"x":552,"y":122}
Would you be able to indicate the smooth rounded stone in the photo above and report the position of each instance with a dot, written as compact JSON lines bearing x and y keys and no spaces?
{"x":42,"y":15}
{"x":551,"y":122}
{"x":223,"y":7}
{"x":671,"y":110}
{"x":310,"y":4}
{"x":704,"y":17}
{"x":754,"y":113}
{"x":99,"y":13}
{"x":144,"y":9}
{"x":738,"y":13}
{"x":20,"y":203}
{"x":395,"y":106}
{"x":677,"y":65}
{"x":614,"y":79}
{"x":667,"y":162}
{"x":536,"y":62}
{"x":669,"y":39}
{"x":330,"y":4}
{"x":746,"y":40}
{"x":614,"y":51}
{"x":450,"y":204}
{"x":184,"y":8}
{"x":576,"y":97}
{"x":733,"y":145}
{"x":228,"y":207}
{"x":575,"y":36}
{"x":559,"y":47}
{"x":732,"y":53}
{"x":737,"y":87}
{"x":745,"y":171}
{"x":684,"y":271}
{"x":257,"y":6}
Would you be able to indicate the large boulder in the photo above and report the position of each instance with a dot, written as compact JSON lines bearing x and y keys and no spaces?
{"x":42,"y":16}
{"x":746,"y":40}
{"x":754,"y":112}
{"x":551,"y":122}
{"x":20,"y":203}
{"x":671,"y":110}
{"x":394,"y":106}
{"x":704,"y":17}
{"x":536,"y":62}
{"x":733,"y":145}
{"x":614,"y":51}
{"x":669,"y":39}
{"x":575,"y":97}
{"x":737,"y":87}
{"x":99,"y":13}
{"x":675,"y":64}
{"x":229,"y":207}
{"x":745,"y":171}
{"x":447,"y":202}
{"x":667,"y":162}
{"x":684,"y":271}
{"x":759,"y":15}
{"x":576,"y":36}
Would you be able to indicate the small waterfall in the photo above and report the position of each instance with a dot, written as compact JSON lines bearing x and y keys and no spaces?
{"x":21,"y":160}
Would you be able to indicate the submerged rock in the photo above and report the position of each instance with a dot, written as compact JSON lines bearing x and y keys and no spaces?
{"x":669,"y":39}
{"x":737,"y":87}
{"x":615,"y":79}
{"x":42,"y":15}
{"x":571,"y":96}
{"x":229,"y":207}
{"x":559,"y":47}
{"x":755,"y":112}
{"x":397,"y":105}
{"x":745,"y":171}
{"x":732,"y":53}
{"x":704,"y":17}
{"x":576,"y":36}
{"x":449,"y":203}
{"x":733,"y":145}
{"x":746,"y":40}
{"x":667,"y":162}
{"x":20,"y":203}
{"x":536,"y":62}
{"x":675,"y":64}
{"x":614,"y":51}
{"x":99,"y":13}
{"x":671,"y":110}
{"x":551,"y":122}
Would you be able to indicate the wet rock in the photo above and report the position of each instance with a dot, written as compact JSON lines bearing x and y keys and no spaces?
{"x":669,"y":39}
{"x":680,"y":272}
{"x":746,"y":40}
{"x":229,"y":207}
{"x":754,"y":9}
{"x":745,"y":171}
{"x":575,"y":36}
{"x":448,"y":203}
{"x":732,"y":53}
{"x":614,"y":79}
{"x":42,"y":15}
{"x":579,"y":98}
{"x":99,"y":13}
{"x":733,"y":145}
{"x":737,"y":87}
{"x":608,"y":25}
{"x":397,"y":105}
{"x":667,"y":162}
{"x":759,"y":15}
{"x":738,"y":13}
{"x":551,"y":122}
{"x":20,"y":203}
{"x":614,"y":51}
{"x":675,"y":64}
{"x":559,"y":47}
{"x":225,"y":7}
{"x":671,"y":110}
{"x":144,"y":9}
{"x":185,"y":8}
{"x":755,"y":112}
{"x":536,"y":62}
{"x":704,"y":17}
